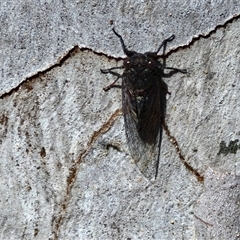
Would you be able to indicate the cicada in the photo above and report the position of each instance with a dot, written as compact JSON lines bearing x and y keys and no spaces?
{"x":143,"y":103}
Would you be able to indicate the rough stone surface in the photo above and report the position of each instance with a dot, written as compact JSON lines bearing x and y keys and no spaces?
{"x":217,"y":210}
{"x":66,"y":172}
{"x":35,"y":33}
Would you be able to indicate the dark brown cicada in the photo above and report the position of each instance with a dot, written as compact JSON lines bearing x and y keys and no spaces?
{"x":144,"y":103}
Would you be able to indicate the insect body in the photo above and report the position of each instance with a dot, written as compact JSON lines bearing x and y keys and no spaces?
{"x":144,"y":104}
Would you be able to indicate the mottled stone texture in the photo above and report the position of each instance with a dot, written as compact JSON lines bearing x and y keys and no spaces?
{"x":65,"y":169}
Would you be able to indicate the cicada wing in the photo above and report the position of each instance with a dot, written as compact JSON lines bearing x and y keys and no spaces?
{"x":143,"y":124}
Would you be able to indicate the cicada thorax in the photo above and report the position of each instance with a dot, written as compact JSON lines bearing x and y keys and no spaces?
{"x":140,"y":71}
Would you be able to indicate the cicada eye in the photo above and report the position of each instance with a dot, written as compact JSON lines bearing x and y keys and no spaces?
{"x":150,"y":64}
{"x":127,"y":63}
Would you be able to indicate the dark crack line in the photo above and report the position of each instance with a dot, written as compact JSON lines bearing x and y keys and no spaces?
{"x":73,"y":171}
{"x":209,"y":224}
{"x":59,"y":63}
{"x":66,"y":56}
{"x":173,"y":140}
{"x":207,"y":35}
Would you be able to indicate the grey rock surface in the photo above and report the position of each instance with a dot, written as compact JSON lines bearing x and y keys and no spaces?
{"x":217,"y":210}
{"x":35,"y":34}
{"x":66,"y":172}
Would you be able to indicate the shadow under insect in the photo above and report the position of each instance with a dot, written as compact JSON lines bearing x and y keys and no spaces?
{"x":144,"y":103}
